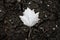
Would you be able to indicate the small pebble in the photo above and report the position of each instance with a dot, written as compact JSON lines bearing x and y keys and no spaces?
{"x":56,"y":25}
{"x":48,"y":5}
{"x":53,"y":28}
{"x":10,"y":20}
{"x":25,"y":38}
{"x":41,"y":2}
{"x":18,"y":0}
{"x":0,"y":10}
{"x":29,"y":2}
{"x":45,"y":15}
{"x":41,"y":27}
{"x":48,"y":35}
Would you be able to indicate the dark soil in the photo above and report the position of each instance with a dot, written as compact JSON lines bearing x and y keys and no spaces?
{"x":12,"y":28}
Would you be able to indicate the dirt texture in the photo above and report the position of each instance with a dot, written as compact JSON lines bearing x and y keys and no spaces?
{"x":12,"y":28}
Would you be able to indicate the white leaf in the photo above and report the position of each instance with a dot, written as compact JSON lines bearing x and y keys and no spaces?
{"x":29,"y":17}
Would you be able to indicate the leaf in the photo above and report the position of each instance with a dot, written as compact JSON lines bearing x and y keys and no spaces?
{"x":30,"y":18}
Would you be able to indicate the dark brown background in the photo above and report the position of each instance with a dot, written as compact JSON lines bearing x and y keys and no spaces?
{"x":12,"y":28}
